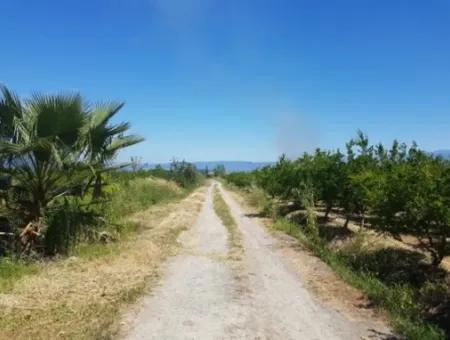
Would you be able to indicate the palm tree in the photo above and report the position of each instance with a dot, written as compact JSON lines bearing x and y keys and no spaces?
{"x":43,"y":153}
{"x":52,"y":144}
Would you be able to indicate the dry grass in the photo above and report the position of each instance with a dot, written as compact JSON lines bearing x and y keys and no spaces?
{"x":81,"y":298}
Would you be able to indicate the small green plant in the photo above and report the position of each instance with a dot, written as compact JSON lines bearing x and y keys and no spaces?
{"x":12,"y":270}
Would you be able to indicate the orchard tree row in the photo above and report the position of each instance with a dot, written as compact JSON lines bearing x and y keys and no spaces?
{"x":401,"y":189}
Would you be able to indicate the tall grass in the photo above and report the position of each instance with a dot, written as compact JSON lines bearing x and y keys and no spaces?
{"x":131,"y":196}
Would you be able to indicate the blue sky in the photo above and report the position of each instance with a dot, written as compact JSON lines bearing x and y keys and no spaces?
{"x":240,"y":79}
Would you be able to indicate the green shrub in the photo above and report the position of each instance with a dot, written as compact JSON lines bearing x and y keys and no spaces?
{"x":185,"y":174}
{"x":67,"y":226}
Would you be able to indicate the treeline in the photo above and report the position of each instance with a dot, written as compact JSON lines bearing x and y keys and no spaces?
{"x":183,"y":173}
{"x":401,"y":189}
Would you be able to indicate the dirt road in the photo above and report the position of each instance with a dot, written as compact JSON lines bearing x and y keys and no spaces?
{"x":205,"y":294}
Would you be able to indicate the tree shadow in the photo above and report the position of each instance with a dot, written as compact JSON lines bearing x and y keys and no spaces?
{"x":256,"y":215}
{"x":439,"y":314}
{"x":331,"y":233}
{"x":328,"y":230}
{"x":398,"y":266}
{"x":285,"y":208}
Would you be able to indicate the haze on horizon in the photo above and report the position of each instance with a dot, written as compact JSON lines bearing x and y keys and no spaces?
{"x":232,"y":80}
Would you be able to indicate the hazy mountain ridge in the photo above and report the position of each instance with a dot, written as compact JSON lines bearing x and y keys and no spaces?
{"x":234,"y":166}
{"x":230,"y":166}
{"x":442,"y":153}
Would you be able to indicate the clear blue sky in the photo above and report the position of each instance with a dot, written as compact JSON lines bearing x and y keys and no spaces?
{"x":237,"y":79}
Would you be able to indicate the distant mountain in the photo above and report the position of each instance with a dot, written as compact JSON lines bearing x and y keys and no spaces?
{"x":230,"y":166}
{"x":233,"y":166}
{"x":442,"y":153}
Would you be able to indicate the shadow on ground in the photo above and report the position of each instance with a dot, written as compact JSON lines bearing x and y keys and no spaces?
{"x":256,"y":215}
{"x":332,"y":233}
{"x":396,"y":266}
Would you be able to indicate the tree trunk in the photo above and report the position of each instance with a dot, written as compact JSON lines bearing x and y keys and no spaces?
{"x":437,"y":258}
{"x":347,"y":220}
{"x":98,"y":185}
{"x":439,"y":253}
{"x":328,"y":211}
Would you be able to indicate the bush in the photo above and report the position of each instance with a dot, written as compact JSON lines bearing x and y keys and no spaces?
{"x":67,"y":226}
{"x":185,"y":174}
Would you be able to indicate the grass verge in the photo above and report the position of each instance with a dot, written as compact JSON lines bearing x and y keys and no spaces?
{"x":223,"y":211}
{"x":125,"y":198}
{"x":397,"y":300}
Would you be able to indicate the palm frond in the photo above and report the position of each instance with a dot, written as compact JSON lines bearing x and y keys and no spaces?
{"x":60,"y":116}
{"x":21,"y":149}
{"x":10,"y":108}
{"x":123,"y":142}
{"x":115,"y":167}
{"x":117,"y":129}
{"x":101,"y":115}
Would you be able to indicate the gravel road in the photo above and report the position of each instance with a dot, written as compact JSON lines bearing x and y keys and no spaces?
{"x":205,"y":294}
